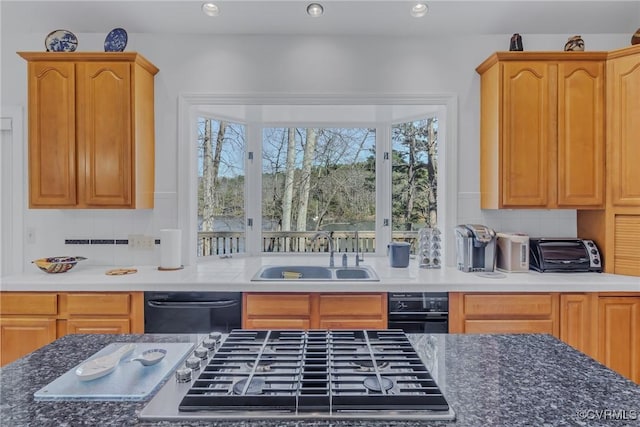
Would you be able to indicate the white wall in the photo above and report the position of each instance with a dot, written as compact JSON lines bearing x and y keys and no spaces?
{"x":282,"y":65}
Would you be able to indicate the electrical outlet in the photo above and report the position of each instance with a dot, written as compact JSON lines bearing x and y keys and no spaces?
{"x":147,"y":242}
{"x":140,"y":241}
{"x":134,"y":240}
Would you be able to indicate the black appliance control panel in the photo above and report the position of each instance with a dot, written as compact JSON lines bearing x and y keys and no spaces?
{"x":419,"y":302}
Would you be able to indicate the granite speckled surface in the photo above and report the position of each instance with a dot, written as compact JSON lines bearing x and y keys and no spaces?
{"x":489,"y":380}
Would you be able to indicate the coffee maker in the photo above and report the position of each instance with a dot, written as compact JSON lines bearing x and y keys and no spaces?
{"x":475,"y":247}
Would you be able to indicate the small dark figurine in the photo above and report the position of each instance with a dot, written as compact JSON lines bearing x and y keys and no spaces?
{"x":635,"y":39}
{"x":574,"y":44}
{"x":516,"y":43}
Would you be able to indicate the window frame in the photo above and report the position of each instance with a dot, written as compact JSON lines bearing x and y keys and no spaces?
{"x":230,"y":106}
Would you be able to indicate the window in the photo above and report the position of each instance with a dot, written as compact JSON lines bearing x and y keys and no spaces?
{"x":221,"y":215}
{"x":414,"y":174}
{"x":317,"y":179}
{"x":287,"y":170}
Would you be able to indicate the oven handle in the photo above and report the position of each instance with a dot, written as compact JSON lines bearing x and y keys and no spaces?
{"x":224,"y":303}
{"x":418,"y":313}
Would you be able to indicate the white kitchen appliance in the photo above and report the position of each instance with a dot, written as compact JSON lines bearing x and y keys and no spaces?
{"x":513,"y":252}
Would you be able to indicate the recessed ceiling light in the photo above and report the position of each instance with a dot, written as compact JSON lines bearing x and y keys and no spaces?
{"x":419,"y":10}
{"x":315,"y":10}
{"x":210,"y":9}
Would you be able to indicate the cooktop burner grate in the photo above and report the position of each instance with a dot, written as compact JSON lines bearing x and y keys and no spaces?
{"x":327,"y":372}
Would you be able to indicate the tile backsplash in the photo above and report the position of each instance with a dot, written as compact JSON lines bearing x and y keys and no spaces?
{"x":534,"y":222}
{"x":100,"y":235}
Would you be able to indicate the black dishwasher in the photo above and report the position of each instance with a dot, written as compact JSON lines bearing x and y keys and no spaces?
{"x":192,"y":312}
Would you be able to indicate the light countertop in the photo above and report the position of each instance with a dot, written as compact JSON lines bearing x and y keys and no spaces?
{"x":235,"y":274}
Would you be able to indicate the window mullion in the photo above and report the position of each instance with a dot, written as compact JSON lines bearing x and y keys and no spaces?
{"x":383,"y":187}
{"x":253,"y":189}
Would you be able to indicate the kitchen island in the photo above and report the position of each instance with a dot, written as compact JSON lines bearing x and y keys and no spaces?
{"x":506,"y":380}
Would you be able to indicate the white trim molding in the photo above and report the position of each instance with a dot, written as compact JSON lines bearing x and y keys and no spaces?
{"x":191,"y":104}
{"x":13,"y":186}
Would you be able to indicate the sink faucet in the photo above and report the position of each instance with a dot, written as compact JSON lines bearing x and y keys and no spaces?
{"x":328,"y":236}
{"x":358,"y":259}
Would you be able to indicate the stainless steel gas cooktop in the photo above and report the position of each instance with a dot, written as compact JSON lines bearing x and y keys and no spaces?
{"x":302,"y":374}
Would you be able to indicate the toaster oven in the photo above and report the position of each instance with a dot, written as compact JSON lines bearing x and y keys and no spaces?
{"x":564,"y":255}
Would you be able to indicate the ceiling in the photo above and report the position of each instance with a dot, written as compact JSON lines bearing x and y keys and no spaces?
{"x":341,"y":17}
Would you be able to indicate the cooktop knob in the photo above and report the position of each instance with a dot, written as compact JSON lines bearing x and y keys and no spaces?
{"x":201,"y":352}
{"x":192,"y":363}
{"x":208,"y":343}
{"x":183,"y":375}
{"x":215,"y":336}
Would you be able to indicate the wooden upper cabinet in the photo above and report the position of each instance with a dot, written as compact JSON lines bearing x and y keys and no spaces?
{"x":527,"y":134}
{"x":91,"y":130}
{"x":52,"y":134}
{"x":542,"y":130}
{"x":623,"y":129}
{"x":581,"y":134}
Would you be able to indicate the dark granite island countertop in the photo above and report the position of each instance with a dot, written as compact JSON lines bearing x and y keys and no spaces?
{"x":489,"y":380}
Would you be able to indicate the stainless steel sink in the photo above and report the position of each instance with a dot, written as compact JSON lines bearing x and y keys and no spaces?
{"x":352,"y":273}
{"x":309,"y":273}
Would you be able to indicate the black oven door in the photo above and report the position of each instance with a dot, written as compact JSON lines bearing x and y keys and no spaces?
{"x":192,"y":312}
{"x":430,"y":325}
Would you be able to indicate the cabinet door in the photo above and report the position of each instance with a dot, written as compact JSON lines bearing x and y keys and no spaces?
{"x":98,"y":326}
{"x":580,"y":139}
{"x":97,"y":303}
{"x":577,"y":323}
{"x":626,"y":245}
{"x":504,"y":313}
{"x":509,"y":326}
{"x":29,"y":303}
{"x":619,"y":335}
{"x":623,"y":77}
{"x":52,"y":135}
{"x":352,"y":311}
{"x":105,"y":133}
{"x":22,"y":335}
{"x":527,"y":134}
{"x":276,"y":311}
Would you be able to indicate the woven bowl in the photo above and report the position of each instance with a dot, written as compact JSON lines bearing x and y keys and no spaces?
{"x":57,"y":264}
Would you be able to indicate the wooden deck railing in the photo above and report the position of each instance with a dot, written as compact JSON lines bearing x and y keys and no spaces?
{"x":230,"y":242}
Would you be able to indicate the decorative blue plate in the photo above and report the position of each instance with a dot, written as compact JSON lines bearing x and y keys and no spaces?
{"x":61,"y":41}
{"x":116,"y":40}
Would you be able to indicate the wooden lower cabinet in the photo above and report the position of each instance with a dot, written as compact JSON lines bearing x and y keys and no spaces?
{"x":503,"y":313}
{"x":604,"y":326}
{"x":22,"y":335}
{"x":98,"y":326}
{"x":30,"y":320}
{"x":314,"y":310}
{"x":619,"y":334}
{"x":577,"y":322}
{"x":276,"y":311}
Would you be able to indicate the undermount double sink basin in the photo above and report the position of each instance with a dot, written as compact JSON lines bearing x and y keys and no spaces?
{"x":272,"y":273}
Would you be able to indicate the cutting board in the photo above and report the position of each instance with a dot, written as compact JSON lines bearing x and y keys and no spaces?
{"x":130,"y":380}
